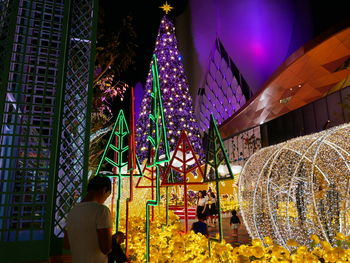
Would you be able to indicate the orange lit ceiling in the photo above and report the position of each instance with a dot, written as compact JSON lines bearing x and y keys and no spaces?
{"x":307,"y":75}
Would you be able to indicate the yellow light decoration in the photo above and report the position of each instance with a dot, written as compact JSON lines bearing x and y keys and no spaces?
{"x":298,"y":188}
{"x":170,"y":244}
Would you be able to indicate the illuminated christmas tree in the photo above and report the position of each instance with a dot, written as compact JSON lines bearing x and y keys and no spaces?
{"x":177,"y":102}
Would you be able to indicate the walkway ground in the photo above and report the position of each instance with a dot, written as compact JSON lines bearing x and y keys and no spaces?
{"x":243,"y":236}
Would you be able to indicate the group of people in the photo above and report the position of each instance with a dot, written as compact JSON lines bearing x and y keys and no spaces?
{"x":88,"y":232}
{"x":206,"y":206}
{"x":207,"y":209}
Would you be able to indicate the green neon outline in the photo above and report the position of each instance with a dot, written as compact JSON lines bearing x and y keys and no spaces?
{"x":157,"y":112}
{"x":155,"y":116}
{"x":122,"y":131}
{"x":215,"y":136}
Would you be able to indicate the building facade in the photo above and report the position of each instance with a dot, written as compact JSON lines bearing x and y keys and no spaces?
{"x":224,"y":90}
{"x":46,"y":57}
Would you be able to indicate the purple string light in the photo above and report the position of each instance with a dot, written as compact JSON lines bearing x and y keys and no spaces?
{"x":177,"y":102}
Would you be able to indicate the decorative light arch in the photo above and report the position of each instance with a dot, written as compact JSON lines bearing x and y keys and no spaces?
{"x":298,"y":188}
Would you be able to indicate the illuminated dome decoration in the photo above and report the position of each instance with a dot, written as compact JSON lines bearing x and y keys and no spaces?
{"x":298,"y":188}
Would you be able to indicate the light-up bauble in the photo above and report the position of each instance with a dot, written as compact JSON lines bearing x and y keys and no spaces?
{"x":223,"y":169}
{"x":298,"y":188}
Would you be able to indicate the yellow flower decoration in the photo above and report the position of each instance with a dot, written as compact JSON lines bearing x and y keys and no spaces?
{"x":257,"y":251}
{"x":340,"y":236}
{"x":318,"y":252}
{"x":326,"y":246}
{"x":302,"y":250}
{"x":243,"y":259}
{"x":268,"y":241}
{"x":330,"y":256}
{"x":256,"y":242}
{"x":340,"y":252}
{"x":236,"y":251}
{"x":169,"y":244}
{"x":292,"y":243}
{"x":309,"y":258}
{"x":315,"y":238}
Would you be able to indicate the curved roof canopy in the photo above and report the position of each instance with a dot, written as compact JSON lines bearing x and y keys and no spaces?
{"x":307,"y":75}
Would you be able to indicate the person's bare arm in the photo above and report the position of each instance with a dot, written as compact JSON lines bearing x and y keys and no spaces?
{"x":104,"y":237}
{"x":66,"y":244}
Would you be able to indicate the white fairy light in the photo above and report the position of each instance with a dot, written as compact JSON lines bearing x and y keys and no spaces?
{"x":298,"y":188}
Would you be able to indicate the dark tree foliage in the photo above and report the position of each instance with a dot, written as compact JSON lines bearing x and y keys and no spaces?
{"x":115,"y":54}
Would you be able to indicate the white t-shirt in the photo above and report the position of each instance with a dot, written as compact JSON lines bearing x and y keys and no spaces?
{"x":213,"y":200}
{"x":82,"y":222}
{"x":202,"y":201}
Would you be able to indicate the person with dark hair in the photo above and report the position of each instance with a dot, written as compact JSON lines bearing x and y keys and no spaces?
{"x":212,"y":208}
{"x":201,"y":204}
{"x":200,"y":226}
{"x":89,"y":227}
{"x":99,"y":182}
{"x":234,"y":224}
{"x":117,"y":255}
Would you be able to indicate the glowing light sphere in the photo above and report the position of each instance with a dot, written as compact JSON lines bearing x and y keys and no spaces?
{"x":298,"y":188}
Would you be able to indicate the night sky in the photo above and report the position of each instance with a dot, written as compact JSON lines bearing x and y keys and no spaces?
{"x":146,"y":15}
{"x":319,"y":15}
{"x":146,"y":19}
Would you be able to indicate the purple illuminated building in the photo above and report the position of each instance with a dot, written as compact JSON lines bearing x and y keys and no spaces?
{"x":257,"y":35}
{"x":177,"y":102}
{"x":224,"y":90}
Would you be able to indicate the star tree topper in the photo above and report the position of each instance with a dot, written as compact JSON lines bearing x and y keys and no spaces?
{"x":166,"y":7}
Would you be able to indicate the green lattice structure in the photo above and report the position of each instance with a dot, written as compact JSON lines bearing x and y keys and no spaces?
{"x":215,"y":157}
{"x":119,"y":136}
{"x":46,"y":62}
{"x":74,"y":132}
{"x":158,"y":142}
